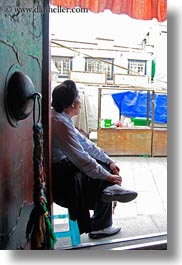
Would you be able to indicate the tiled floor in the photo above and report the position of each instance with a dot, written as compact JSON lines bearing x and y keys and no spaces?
{"x":147,"y":214}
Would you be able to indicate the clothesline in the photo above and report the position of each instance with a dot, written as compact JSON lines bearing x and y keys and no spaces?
{"x":66,"y":47}
{"x":100,"y":60}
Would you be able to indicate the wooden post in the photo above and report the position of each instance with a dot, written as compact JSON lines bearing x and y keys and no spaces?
{"x":46,"y":104}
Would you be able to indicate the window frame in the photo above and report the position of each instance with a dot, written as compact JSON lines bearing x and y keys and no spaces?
{"x":102,"y":60}
{"x":131,"y":72}
{"x":62,"y":58}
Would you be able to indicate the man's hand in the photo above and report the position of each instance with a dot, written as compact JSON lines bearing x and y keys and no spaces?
{"x":115,"y":179}
{"x":115,"y":169}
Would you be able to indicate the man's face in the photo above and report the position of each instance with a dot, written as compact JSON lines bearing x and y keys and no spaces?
{"x":77,"y":105}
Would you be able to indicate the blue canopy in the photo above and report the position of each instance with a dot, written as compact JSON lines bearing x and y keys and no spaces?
{"x":134,"y":104}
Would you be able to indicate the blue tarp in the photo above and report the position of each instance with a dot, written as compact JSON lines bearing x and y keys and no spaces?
{"x":134,"y":104}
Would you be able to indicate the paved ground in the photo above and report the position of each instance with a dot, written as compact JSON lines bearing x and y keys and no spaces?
{"x":147,"y":214}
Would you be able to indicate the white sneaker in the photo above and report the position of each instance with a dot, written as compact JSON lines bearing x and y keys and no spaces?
{"x":117,"y":193}
{"x":109,"y":231}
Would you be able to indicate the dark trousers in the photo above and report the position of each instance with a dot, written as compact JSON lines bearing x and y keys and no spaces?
{"x":79,"y":193}
{"x":102,"y":217}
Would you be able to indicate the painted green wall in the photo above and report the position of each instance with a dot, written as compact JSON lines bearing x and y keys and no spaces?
{"x":20,"y":49}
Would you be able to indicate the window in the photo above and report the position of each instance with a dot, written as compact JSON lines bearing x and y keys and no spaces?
{"x":63,"y":64}
{"x":136,"y":67}
{"x":100,"y":65}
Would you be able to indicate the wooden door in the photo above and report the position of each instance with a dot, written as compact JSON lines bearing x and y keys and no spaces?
{"x":23,"y":46}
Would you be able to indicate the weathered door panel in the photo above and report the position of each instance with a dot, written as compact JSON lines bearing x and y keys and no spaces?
{"x":20,"y":48}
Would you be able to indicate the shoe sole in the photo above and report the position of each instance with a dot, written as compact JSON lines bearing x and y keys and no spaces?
{"x":126,"y":197}
{"x":102,"y":235}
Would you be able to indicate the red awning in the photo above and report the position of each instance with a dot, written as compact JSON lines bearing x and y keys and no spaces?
{"x":137,"y":9}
